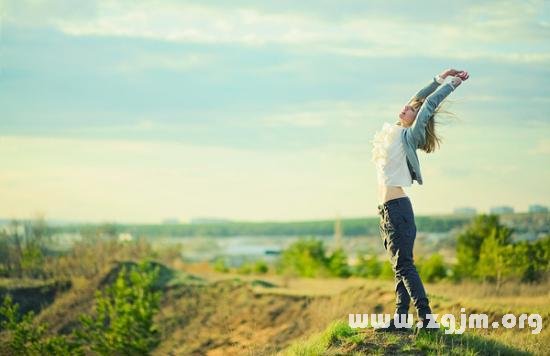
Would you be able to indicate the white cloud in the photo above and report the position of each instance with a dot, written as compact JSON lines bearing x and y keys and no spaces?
{"x":498,"y":31}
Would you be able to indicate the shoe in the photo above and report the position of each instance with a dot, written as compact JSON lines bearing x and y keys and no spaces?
{"x":390,"y":327}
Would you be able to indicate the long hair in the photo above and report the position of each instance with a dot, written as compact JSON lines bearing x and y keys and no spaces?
{"x":433,"y":139}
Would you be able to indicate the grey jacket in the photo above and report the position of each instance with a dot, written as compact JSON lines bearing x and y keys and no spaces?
{"x":413,"y":137}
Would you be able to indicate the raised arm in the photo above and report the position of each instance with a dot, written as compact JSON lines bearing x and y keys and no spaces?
{"x":428,"y":89}
{"x":417,"y":132}
{"x":434,"y":84}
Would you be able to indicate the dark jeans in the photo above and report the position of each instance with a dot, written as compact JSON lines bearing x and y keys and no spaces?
{"x":398,"y":231}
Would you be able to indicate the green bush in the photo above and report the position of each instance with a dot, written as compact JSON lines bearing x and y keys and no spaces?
{"x":387,"y":271}
{"x":304,"y":258}
{"x":433,"y":269}
{"x":260,"y":267}
{"x":220,"y":265}
{"x":23,"y":337}
{"x":338,"y":264}
{"x":257,"y":267}
{"x":308,"y":258}
{"x":245,"y":268}
{"x":123,"y":323}
{"x":368,"y":266}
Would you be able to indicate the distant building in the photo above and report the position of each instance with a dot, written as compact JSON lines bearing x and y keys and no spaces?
{"x":535,"y":208}
{"x":496,"y":210}
{"x":465,"y":211}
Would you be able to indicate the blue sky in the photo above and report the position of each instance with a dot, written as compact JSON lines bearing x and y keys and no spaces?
{"x":144,"y":110}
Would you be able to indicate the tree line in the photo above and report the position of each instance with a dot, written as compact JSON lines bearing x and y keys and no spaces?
{"x":484,"y":252}
{"x":352,"y":227}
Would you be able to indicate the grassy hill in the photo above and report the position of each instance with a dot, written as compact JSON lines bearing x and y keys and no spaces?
{"x":224,"y":314}
{"x":339,"y":339}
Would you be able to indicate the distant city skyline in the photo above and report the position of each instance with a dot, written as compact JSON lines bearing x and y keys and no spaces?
{"x":140,"y":111}
{"x":463,"y":210}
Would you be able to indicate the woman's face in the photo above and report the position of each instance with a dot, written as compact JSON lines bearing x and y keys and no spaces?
{"x":407,"y":115}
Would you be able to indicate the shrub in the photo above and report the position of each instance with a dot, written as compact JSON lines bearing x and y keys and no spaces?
{"x":387,"y":271}
{"x":338,"y":264}
{"x":368,"y":267}
{"x":123,"y":323}
{"x":23,"y":337}
{"x":433,"y":269}
{"x":258,"y":267}
{"x":305,"y":258}
{"x":220,"y":265}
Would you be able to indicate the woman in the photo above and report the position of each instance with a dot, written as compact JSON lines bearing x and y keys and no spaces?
{"x":394,"y":154}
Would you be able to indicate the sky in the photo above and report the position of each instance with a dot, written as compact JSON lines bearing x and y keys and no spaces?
{"x":139,"y":111}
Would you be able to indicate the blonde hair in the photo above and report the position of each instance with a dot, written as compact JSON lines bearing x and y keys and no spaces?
{"x":433,"y":140}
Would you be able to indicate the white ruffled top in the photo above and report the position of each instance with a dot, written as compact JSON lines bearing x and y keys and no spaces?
{"x":389,"y":156}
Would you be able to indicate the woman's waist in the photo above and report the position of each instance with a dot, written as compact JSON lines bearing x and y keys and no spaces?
{"x":388,"y":192}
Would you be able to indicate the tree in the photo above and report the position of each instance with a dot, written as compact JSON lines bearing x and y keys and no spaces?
{"x":495,"y":260}
{"x":125,"y":311}
{"x":531,"y":261}
{"x":469,"y":242}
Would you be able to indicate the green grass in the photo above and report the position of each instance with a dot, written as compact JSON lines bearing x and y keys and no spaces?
{"x":340,"y":339}
{"x":336,"y":333}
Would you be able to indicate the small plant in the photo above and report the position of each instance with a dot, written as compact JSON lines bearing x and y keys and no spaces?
{"x":26,"y":338}
{"x":433,"y":269}
{"x":387,"y":271}
{"x":368,"y":267}
{"x":220,"y":265}
{"x":338,"y":264}
{"x":256,"y":267}
{"x":336,"y":333}
{"x":125,"y":311}
{"x":260,"y":267}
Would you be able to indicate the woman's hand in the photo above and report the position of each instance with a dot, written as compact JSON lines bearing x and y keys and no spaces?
{"x":452,"y":72}
{"x":463,"y":75}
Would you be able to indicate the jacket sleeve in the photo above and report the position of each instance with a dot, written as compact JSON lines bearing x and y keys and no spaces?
{"x":417,"y":132}
{"x":427,"y":90}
